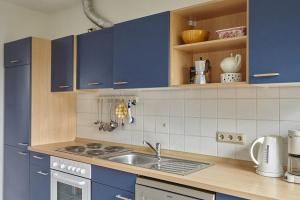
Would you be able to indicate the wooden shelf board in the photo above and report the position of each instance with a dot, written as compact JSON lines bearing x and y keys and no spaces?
{"x":212,"y":9}
{"x":213,"y":85}
{"x":214,"y":45}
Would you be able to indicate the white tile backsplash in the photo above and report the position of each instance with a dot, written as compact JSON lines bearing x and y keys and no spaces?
{"x":227,"y":108}
{"x":177,"y":108}
{"x":209,"y":108}
{"x":268,"y":109}
{"x":177,"y":125}
{"x":267,"y":93}
{"x":246,"y":93}
{"x":187,"y":120}
{"x":192,"y":126}
{"x":192,"y":108}
{"x":246,"y":108}
{"x":290,"y":109}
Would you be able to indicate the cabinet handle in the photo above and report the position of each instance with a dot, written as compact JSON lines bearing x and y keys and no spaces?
{"x":14,"y":61}
{"x":22,"y":153}
{"x":38,"y":157}
{"x":94,"y":84}
{"x":120,"y":83}
{"x":121,"y":197}
{"x":22,"y":144}
{"x":266,"y":75}
{"x":42,"y":173}
{"x":64,"y":86}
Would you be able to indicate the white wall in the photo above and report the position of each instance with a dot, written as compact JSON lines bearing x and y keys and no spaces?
{"x":16,"y":23}
{"x":187,"y":120}
{"x":73,"y":20}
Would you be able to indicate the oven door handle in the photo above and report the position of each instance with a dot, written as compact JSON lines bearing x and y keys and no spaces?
{"x":79,"y":183}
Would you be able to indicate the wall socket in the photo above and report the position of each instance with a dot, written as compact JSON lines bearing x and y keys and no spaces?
{"x":228,"y":137}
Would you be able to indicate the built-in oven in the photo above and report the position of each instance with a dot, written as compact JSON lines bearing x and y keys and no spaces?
{"x":70,"y":180}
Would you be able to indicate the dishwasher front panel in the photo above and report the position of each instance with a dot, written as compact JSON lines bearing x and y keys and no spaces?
{"x":148,"y":193}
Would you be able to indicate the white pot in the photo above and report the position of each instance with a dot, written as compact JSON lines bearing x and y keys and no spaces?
{"x":231,"y":64}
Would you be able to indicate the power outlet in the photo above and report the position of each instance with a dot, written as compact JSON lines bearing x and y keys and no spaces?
{"x":228,"y":137}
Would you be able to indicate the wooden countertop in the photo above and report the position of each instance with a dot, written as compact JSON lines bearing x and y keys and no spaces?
{"x":232,"y":177}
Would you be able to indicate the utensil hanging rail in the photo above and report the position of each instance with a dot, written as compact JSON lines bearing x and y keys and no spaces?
{"x":119,"y":97}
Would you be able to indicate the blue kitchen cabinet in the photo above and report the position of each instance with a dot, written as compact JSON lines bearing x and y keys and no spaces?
{"x":16,"y":173}
{"x":17,"y":106}
{"x":105,"y":192}
{"x":62,"y":64}
{"x":274,"y":42}
{"x":220,"y":196}
{"x":141,"y":52}
{"x":39,"y":176}
{"x":110,"y":184}
{"x":17,"y":53}
{"x":95,"y":59}
{"x":115,"y":178}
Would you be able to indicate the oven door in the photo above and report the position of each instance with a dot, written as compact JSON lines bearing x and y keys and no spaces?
{"x":69,"y":187}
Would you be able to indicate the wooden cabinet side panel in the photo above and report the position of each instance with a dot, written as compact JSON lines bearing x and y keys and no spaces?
{"x":53,"y":114}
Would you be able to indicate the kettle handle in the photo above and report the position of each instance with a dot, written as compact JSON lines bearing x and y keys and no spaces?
{"x":259,"y":140}
{"x":238,"y":59}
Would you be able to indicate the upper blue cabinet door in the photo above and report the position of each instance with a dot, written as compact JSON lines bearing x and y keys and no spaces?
{"x":141,"y":52}
{"x":274,"y":49}
{"x":95,"y":59}
{"x":62,"y":64}
{"x":17,"y":53}
{"x":17,"y":106}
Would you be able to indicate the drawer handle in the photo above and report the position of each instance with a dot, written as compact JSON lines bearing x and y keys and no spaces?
{"x":121,"y":197}
{"x":120,"y":83}
{"x":42,"y":173}
{"x":266,"y":75}
{"x":64,"y":86}
{"x":38,"y":157}
{"x":23,"y":144}
{"x":22,"y":153}
{"x":94,"y":84}
{"x":14,"y":61}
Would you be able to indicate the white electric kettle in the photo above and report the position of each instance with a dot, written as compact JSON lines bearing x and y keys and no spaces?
{"x":269,"y":156}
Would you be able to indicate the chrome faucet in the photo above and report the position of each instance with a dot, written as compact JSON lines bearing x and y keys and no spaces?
{"x":156,"y":149}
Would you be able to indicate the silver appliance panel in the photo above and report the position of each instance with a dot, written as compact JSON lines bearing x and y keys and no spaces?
{"x":148,"y":189}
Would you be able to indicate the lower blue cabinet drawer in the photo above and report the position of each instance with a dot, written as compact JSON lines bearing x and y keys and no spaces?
{"x":220,"y":196}
{"x":40,"y":159}
{"x":39,"y":183}
{"x":104,"y":192}
{"x":118,"y":179}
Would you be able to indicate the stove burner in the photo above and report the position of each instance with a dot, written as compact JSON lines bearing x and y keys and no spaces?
{"x":75,"y":149}
{"x":114,"y":148}
{"x":94,"y":145}
{"x":95,"y":152}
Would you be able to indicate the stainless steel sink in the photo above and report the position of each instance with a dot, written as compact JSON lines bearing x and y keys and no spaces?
{"x":134,"y":159}
{"x":169,"y":165}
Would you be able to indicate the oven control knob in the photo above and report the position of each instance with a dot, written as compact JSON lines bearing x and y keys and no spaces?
{"x":73,"y":169}
{"x":62,"y":166}
{"x":55,"y":164}
{"x":78,"y":170}
{"x":82,"y":171}
{"x":69,"y":168}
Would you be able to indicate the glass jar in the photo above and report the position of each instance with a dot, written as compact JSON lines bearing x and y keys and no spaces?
{"x":294,"y":164}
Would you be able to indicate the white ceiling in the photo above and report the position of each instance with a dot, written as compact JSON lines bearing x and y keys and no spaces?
{"x":47,"y":6}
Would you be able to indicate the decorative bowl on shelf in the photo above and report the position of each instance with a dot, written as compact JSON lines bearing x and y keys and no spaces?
{"x":231,"y":77}
{"x":232,"y":32}
{"x":195,"y":35}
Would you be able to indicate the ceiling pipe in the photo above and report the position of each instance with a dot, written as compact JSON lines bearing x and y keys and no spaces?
{"x":90,"y":12}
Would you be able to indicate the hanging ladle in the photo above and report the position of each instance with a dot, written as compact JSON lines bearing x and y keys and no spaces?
{"x":101,"y":124}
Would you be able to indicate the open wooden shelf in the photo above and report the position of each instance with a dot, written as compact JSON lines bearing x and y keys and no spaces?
{"x":214,"y":45}
{"x":213,"y":9}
